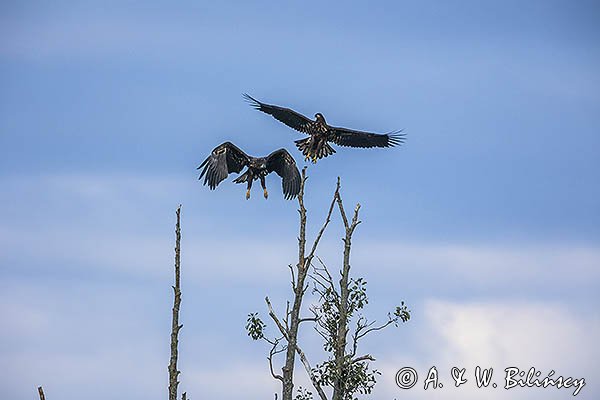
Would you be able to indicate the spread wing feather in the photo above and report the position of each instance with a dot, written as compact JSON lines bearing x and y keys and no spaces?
{"x":223,"y":160}
{"x":288,"y":116}
{"x":281,"y":162}
{"x":352,"y":138}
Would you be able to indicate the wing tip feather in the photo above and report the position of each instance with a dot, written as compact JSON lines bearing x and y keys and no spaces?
{"x":396,"y":138}
{"x":252,"y":101}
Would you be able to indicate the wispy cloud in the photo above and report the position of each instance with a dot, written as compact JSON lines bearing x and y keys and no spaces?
{"x":94,"y":223}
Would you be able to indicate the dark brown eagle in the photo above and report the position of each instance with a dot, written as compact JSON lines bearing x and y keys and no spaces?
{"x":227,"y":158}
{"x":316,"y":146}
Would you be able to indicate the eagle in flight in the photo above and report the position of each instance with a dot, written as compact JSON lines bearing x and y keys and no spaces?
{"x":316,"y":146}
{"x":228,"y":158}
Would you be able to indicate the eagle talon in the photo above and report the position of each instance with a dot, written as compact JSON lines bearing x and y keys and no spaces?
{"x":248,"y":194}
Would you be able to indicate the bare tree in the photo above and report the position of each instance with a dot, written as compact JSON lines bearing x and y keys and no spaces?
{"x":175,"y":326}
{"x":345,"y":372}
{"x":287,"y":340}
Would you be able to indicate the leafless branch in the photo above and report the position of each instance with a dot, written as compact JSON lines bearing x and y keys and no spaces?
{"x":273,"y":352}
{"x":313,"y":319}
{"x":355,"y":220}
{"x":310,"y":373}
{"x":293,"y":277}
{"x":324,"y":276}
{"x":341,"y":205}
{"x":275,"y":319}
{"x":327,"y":220}
{"x":366,"y":332}
{"x":366,"y":357}
{"x":287,"y":316}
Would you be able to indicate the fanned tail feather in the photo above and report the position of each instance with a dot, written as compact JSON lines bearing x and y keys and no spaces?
{"x":325,"y":150}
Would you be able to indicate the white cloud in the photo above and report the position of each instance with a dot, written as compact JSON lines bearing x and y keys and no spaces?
{"x":500,"y":335}
{"x":249,"y":380}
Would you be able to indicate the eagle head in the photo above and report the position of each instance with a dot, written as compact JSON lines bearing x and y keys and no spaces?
{"x":320,"y":118}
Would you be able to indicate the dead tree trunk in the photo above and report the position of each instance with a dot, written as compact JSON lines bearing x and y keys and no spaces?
{"x":175,"y":327}
{"x":299,"y":287}
{"x":291,"y":323}
{"x":41,"y":393}
{"x":342,"y":332}
{"x":345,"y":372}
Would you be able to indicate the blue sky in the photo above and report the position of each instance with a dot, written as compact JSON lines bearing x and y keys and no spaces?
{"x":487,"y":221}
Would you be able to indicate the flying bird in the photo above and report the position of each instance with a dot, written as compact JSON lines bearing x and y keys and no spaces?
{"x":316,"y":146}
{"x":228,"y":158}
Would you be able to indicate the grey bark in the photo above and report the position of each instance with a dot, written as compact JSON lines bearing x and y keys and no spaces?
{"x":341,"y":340}
{"x":175,"y":327}
{"x":290,"y":333}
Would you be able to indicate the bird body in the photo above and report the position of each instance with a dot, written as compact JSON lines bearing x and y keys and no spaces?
{"x":228,"y":158}
{"x":316,"y":146}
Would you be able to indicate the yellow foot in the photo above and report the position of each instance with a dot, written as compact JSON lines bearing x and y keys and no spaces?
{"x":266,"y":194}
{"x":314,"y":160}
{"x":248,"y":194}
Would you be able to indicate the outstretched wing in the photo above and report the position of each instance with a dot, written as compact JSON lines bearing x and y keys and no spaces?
{"x":284,"y":165}
{"x":224,"y":159}
{"x":352,"y":138}
{"x":288,"y":116}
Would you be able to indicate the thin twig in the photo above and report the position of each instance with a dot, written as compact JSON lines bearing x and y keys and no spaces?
{"x":363,"y":334}
{"x":328,"y":278}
